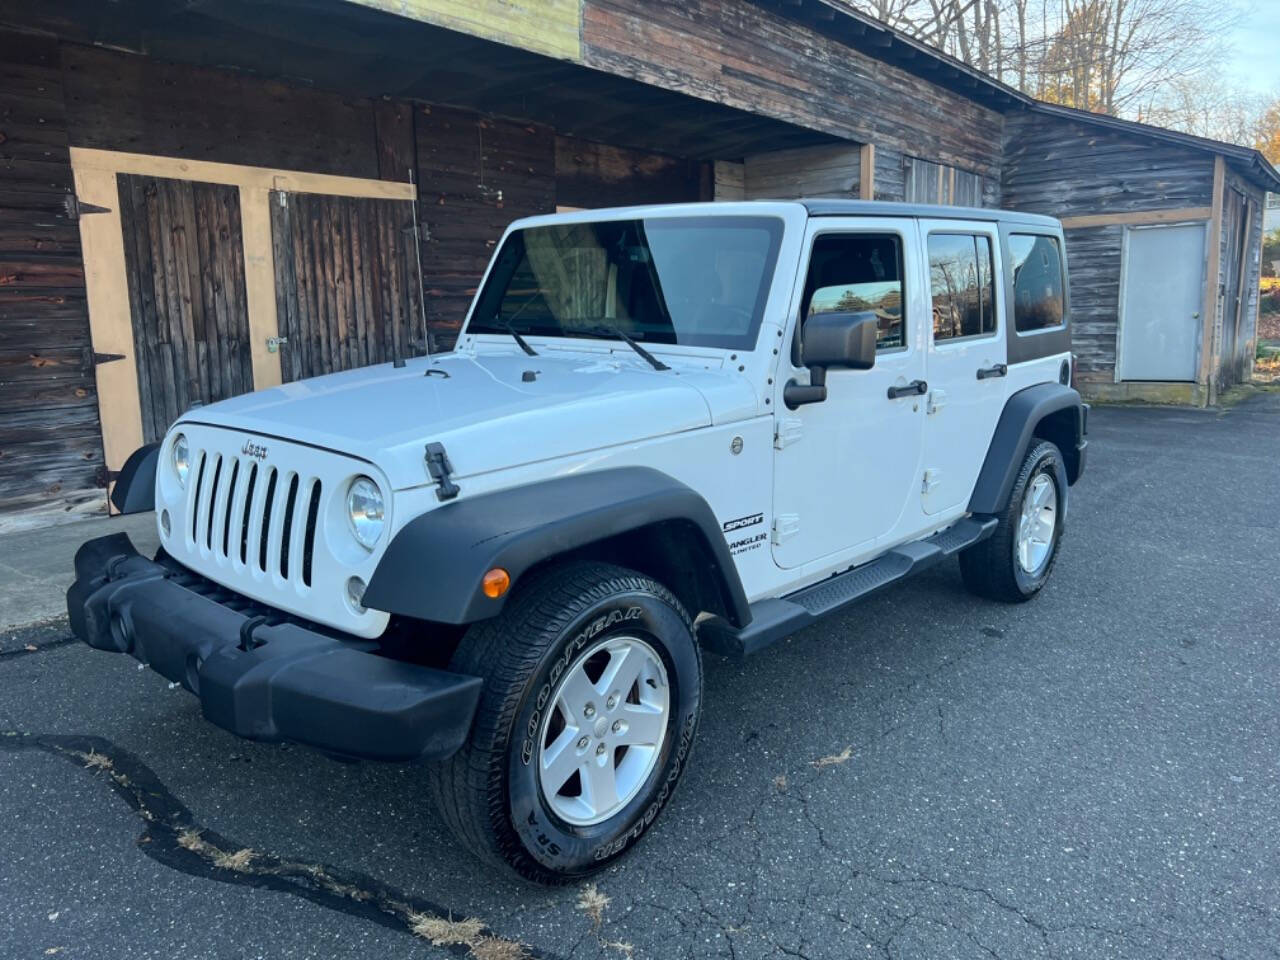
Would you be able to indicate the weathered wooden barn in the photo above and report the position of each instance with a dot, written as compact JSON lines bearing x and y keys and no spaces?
{"x":201,"y":199}
{"x":1164,"y":237}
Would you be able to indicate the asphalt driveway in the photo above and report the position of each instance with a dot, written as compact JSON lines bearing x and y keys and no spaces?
{"x":1095,"y":774}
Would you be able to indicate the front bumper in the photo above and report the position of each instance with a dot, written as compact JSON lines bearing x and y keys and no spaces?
{"x":259,"y":675}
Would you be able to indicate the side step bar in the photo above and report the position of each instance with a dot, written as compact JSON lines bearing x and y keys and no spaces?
{"x":775,"y":618}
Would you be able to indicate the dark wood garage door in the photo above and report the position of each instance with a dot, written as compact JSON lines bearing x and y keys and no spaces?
{"x":347,"y":288}
{"x":184,"y":260}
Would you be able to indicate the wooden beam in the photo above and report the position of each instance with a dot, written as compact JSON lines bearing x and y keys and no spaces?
{"x":1209,"y":313}
{"x":260,"y":284}
{"x":1137,"y":218}
{"x":236,"y":175}
{"x":110,"y":321}
{"x":867,"y":172}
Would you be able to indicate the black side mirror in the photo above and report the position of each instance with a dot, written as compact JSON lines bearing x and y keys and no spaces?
{"x":832,"y":340}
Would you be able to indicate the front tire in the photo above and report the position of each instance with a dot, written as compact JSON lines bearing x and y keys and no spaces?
{"x":591,"y":697}
{"x":1014,"y":563}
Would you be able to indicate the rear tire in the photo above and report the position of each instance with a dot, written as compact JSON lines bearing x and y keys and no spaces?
{"x":1013,"y":564}
{"x":554,"y":665}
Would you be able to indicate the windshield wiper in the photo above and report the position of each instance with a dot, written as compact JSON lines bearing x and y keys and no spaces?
{"x":613,"y":333}
{"x":524,"y":344}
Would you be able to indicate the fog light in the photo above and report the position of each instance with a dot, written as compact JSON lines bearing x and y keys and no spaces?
{"x":355,"y":594}
{"x":495,"y":583}
{"x":164,"y":523}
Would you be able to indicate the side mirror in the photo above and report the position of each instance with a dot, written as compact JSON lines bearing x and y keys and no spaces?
{"x":832,"y":340}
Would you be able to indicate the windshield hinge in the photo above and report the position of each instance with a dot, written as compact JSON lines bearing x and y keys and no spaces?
{"x":439,"y":467}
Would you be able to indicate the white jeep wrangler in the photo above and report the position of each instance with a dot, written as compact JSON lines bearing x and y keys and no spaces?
{"x":661,"y":427}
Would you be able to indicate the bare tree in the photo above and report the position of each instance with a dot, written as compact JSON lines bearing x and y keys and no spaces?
{"x":1112,"y":56}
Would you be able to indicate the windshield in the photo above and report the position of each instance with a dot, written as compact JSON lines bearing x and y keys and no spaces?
{"x":700,"y":281}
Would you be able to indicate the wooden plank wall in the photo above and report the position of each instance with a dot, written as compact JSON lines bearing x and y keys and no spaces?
{"x":890,"y":179}
{"x":116,"y":101}
{"x":347,"y":290}
{"x":476,"y":175}
{"x":1236,"y":365}
{"x":184,"y":261}
{"x":50,"y":442}
{"x":746,"y":57}
{"x":824,"y":171}
{"x":598,"y":175}
{"x":1063,"y":168}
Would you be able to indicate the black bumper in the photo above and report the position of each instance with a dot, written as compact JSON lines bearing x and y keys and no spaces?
{"x":259,"y":678}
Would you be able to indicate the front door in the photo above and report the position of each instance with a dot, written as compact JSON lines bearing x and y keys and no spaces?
{"x":1160,"y":303}
{"x":846,"y":469}
{"x":966,"y":359}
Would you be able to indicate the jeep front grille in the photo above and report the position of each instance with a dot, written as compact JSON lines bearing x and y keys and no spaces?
{"x":259,"y":517}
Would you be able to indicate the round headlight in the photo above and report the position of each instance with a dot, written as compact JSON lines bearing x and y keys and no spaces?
{"x":181,"y":458}
{"x":365,"y":511}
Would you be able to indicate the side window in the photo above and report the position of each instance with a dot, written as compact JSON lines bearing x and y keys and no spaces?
{"x":857,"y":272}
{"x":961,"y":285}
{"x":1036,"y":262}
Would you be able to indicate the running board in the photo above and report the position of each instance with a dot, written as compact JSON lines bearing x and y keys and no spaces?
{"x":775,"y":618}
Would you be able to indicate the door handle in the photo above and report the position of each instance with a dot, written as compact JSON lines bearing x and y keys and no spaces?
{"x":913,"y":389}
{"x":999,"y":370}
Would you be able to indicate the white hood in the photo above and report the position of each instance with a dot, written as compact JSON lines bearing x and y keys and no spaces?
{"x":484,"y":412}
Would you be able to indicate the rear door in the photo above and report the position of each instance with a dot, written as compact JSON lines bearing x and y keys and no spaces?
{"x":966,"y":363}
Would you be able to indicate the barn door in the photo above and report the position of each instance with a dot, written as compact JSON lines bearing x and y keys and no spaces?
{"x":347,"y":283}
{"x":184,"y":265}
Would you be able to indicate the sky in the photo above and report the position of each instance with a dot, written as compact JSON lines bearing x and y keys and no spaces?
{"x":1254,"y":62}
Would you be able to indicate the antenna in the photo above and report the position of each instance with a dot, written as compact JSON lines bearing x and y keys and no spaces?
{"x":417,"y":252}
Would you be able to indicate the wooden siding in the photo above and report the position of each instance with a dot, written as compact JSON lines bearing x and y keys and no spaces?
{"x":598,"y":175}
{"x":891,"y":181}
{"x":1065,"y":168}
{"x":184,"y":260}
{"x":347,"y":290}
{"x":1234,"y":343}
{"x":475,"y":175}
{"x":826,"y":171}
{"x":743,"y":56}
{"x":50,"y":444}
{"x":117,"y":101}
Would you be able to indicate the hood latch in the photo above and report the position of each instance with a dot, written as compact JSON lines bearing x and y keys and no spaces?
{"x":439,"y":467}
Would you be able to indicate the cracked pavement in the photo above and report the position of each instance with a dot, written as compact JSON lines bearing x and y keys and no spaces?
{"x":1093,"y":774}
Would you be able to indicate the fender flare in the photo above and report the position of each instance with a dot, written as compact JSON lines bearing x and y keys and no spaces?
{"x":135,"y":489}
{"x":1022,"y":414}
{"x":432,"y":568}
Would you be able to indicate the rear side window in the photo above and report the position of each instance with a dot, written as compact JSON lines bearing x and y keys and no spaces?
{"x":961,"y":286}
{"x":1037,"y":282}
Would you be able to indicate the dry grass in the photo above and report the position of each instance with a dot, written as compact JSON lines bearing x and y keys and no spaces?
{"x":1267,"y":368}
{"x":238,"y":861}
{"x":191,"y":840}
{"x":592,"y":902}
{"x":833,"y":760}
{"x":96,"y":761}
{"x":495,"y":948}
{"x":444,"y":933}
{"x":621,"y":946}
{"x":780,"y":783}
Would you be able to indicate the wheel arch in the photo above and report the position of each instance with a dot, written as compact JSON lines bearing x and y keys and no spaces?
{"x":635,"y":517}
{"x":1045,"y":411}
{"x":135,"y":486}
